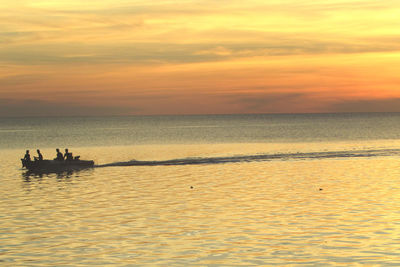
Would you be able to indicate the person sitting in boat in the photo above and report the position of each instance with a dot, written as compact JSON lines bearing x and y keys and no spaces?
{"x":59,"y":155}
{"x":40,"y":156}
{"x":68,"y":155}
{"x":27,"y":156}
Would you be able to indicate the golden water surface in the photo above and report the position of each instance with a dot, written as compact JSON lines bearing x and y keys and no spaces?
{"x":339,"y":211}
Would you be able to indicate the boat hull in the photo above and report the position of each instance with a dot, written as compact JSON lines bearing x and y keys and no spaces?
{"x":57,"y":165}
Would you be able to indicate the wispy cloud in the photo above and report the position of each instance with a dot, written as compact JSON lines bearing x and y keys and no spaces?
{"x":35,"y":107}
{"x":366,"y":105}
{"x":163,"y":56}
{"x":276,"y":102}
{"x":195,"y":31}
{"x":150,"y":53}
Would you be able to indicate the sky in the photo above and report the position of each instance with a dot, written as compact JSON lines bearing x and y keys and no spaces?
{"x":136,"y":57}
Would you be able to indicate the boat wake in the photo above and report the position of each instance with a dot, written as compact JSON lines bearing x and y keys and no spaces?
{"x":260,"y":157}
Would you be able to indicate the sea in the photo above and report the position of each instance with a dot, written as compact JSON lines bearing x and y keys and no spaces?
{"x":204,"y":190}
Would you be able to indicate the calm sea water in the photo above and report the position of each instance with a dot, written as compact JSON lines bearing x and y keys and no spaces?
{"x":222,"y":190}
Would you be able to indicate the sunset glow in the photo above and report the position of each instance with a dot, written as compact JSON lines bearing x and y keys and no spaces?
{"x":133,"y":57}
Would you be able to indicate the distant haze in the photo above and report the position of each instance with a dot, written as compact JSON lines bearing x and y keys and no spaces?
{"x":119,"y":57}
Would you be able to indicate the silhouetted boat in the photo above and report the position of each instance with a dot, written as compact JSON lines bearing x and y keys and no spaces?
{"x":56,"y":165}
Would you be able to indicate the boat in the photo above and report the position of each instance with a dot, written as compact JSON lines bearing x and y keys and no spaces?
{"x":56,"y":165}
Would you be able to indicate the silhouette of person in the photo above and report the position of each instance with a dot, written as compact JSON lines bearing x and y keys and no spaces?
{"x":40,"y":156}
{"x":59,"y":155}
{"x":67,"y":155}
{"x":27,"y":156}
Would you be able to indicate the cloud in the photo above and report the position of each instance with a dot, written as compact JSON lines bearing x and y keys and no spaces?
{"x":52,"y":50}
{"x":173,"y":8}
{"x":195,"y":31}
{"x":34,"y":107}
{"x":365,"y":105}
{"x":218,"y":51}
{"x":150,"y":53}
{"x":294,"y":102}
{"x":21,"y":79}
{"x":291,"y":102}
{"x":253,"y":28}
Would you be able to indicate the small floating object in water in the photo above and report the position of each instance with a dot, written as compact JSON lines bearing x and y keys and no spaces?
{"x":191,"y":187}
{"x":321,"y":189}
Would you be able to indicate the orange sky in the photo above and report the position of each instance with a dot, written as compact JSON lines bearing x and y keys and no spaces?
{"x":120,"y":57}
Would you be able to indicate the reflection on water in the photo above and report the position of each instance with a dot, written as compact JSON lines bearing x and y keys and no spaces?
{"x":238,"y":213}
{"x":60,"y":175}
{"x":29,"y":176}
{"x":37,"y":180}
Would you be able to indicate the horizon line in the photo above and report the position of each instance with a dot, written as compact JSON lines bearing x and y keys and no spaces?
{"x":198,"y":114}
